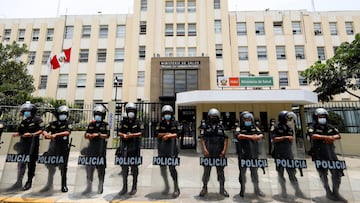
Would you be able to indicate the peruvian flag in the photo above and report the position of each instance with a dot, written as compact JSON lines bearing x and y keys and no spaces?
{"x":58,"y":60}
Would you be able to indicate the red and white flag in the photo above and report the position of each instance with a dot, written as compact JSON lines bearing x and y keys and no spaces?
{"x":58,"y":60}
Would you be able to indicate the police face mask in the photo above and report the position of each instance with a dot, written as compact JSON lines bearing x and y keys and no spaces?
{"x":131,"y":114}
{"x":97,"y":118}
{"x":27,"y":114}
{"x":62,"y":117}
{"x":247,"y":123}
{"x":167,"y":117}
{"x":289,"y":123}
{"x":322,"y":121}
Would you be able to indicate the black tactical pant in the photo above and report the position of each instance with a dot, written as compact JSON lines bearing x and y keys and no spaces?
{"x":219,"y":171}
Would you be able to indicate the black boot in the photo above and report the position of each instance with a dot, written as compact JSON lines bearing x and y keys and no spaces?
{"x":176,"y":189}
{"x":28,"y":184}
{"x":336,"y":193}
{"x":203,"y":191}
{"x":298,"y":192}
{"x":135,"y":172}
{"x":101,"y":186}
{"x":125,"y":187}
{"x":64,"y":187}
{"x":166,"y":181}
{"x":242,"y":190}
{"x":15,"y":186}
{"x":223,"y":192}
{"x":49,"y":184}
{"x":257,"y":190}
{"x":88,"y":188}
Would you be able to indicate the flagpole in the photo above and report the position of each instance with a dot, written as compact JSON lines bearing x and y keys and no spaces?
{"x":313,"y":5}
{"x":63,"y":39}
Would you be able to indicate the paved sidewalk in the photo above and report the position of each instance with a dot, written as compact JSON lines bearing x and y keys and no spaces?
{"x":150,"y":183}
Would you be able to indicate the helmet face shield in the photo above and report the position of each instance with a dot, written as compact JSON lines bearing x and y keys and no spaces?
{"x":291,"y":116}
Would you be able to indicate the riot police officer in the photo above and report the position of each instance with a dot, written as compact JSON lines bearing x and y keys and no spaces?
{"x":214,"y":144}
{"x":271,"y":129}
{"x":58,"y":131}
{"x":167,"y":134}
{"x":97,"y":132}
{"x":323,"y":136}
{"x":247,"y":137}
{"x":2,"y":125}
{"x":130,"y":131}
{"x":283,"y":137}
{"x":29,"y":130}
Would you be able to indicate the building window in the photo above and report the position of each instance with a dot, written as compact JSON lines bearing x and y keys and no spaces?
{"x":191,"y":6}
{"x":259,"y":28}
{"x":79,"y":104}
{"x":192,"y":29}
{"x":101,"y":55}
{"x":261,"y":53}
{"x":243,"y":53}
{"x":21,"y":35}
{"x":280,"y":52}
{"x":265,"y":73}
{"x":241,"y":28}
{"x":99,"y":80}
{"x":169,"y":6}
{"x":180,"y":6}
{"x":218,"y":50}
{"x":169,"y":52}
{"x":217,"y":25}
{"x":191,"y":51}
{"x":119,"y":79}
{"x":321,"y":53}
{"x":317,"y":29}
{"x":141,"y":79}
{"x":119,"y":54}
{"x":333,"y":28}
{"x":86,"y":31}
{"x":142,"y":52}
{"x":32,"y":55}
{"x":43,"y":82}
{"x":7,"y":34}
{"x":180,"y":51}
{"x":50,"y":34}
{"x":283,"y":79}
{"x":278,"y":28}
{"x":174,"y":81}
{"x":120,"y":31}
{"x":299,"y":52}
{"x":142,"y":27}
{"x":216,"y":4}
{"x":180,"y":29}
{"x":81,"y":81}
{"x":63,"y":80}
{"x":35,"y":34}
{"x":84,"y":55}
{"x":219,"y":73}
{"x":45,"y":58}
{"x":143,"y":5}
{"x":169,"y":29}
{"x":296,"y":27}
{"x":302,"y":80}
{"x":103,"y":31}
{"x":69,"y":31}
{"x":349,"y":28}
{"x":244,"y":74}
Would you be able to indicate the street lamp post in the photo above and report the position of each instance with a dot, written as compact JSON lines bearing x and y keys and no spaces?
{"x":116,"y":139}
{"x":116,"y":83}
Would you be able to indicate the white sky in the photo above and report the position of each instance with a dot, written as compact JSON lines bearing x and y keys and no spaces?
{"x":52,"y":8}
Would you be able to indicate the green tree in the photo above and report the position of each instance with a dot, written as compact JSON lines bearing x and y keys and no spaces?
{"x":339,"y":74}
{"x":16,"y":85}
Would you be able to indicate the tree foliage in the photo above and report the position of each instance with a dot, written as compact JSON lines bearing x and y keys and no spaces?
{"x":339,"y":74}
{"x":16,"y":85}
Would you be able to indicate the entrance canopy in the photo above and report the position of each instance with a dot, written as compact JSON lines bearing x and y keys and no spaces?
{"x":297,"y":97}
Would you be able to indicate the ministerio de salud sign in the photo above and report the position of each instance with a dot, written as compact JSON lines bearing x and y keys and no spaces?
{"x":253,"y":81}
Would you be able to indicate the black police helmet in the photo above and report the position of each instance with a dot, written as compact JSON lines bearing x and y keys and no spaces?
{"x":282,"y":117}
{"x":28,"y":107}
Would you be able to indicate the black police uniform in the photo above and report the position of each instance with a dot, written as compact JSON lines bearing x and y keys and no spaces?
{"x":59,"y":146}
{"x":29,"y":146}
{"x":96,"y":147}
{"x":168,"y":148}
{"x":214,"y":137}
{"x":282,"y":150}
{"x":325,"y":151}
{"x":130,"y":148}
{"x":248,"y":149}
